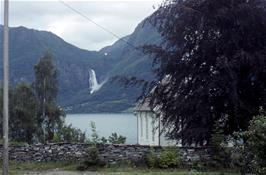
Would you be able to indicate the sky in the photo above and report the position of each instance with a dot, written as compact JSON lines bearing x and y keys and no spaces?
{"x":120,"y":17}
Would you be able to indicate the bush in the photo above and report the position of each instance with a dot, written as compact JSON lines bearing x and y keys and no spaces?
{"x":93,"y":154}
{"x":92,"y":162}
{"x":150,"y":158}
{"x":169,"y":158}
{"x":241,"y":156}
{"x":69,"y":134}
{"x":198,"y":165}
{"x":116,"y":139}
{"x":256,"y":143}
{"x":95,"y":138}
{"x":15,"y":143}
{"x":219,"y":152}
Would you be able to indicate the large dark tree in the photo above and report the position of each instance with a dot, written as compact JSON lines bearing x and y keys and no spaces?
{"x":211,"y":67}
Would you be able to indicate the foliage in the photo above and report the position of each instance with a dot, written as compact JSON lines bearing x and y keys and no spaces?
{"x":27,"y":123}
{"x":241,"y":158}
{"x":151,"y":158}
{"x":23,"y":113}
{"x":23,"y":109}
{"x":211,"y":66}
{"x":104,"y":140}
{"x":169,"y":158}
{"x":93,"y":154}
{"x":95,"y":138}
{"x":17,"y":143}
{"x":220,"y":153}
{"x":256,"y":143}
{"x":50,"y":116}
{"x":46,"y":84}
{"x":199,"y":165}
{"x":116,"y":139}
{"x":35,"y":116}
{"x":93,"y":160}
{"x":69,"y":134}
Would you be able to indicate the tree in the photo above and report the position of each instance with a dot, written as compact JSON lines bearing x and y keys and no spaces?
{"x":46,"y":89}
{"x":211,"y":66}
{"x":69,"y":134}
{"x":256,"y":143}
{"x":46,"y":83}
{"x":34,"y":114}
{"x":24,"y":113}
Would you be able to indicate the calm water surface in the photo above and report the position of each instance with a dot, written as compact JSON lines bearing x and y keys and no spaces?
{"x":106,"y":124}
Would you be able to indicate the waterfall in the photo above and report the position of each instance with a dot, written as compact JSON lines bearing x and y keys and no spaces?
{"x":93,"y":83}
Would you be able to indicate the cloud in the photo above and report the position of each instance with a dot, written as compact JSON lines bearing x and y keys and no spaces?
{"x":120,"y":17}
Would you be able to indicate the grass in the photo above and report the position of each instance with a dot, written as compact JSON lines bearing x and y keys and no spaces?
{"x":41,"y":166}
{"x":171,"y":173}
{"x":19,"y":168}
{"x":16,"y":168}
{"x":143,"y":171}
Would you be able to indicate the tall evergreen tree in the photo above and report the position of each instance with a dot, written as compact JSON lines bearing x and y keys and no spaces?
{"x":212,"y":65}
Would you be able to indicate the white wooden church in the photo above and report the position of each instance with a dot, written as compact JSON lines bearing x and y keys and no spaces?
{"x":149,"y":129}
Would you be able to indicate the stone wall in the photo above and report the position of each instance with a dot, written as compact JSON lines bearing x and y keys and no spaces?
{"x":108,"y":153}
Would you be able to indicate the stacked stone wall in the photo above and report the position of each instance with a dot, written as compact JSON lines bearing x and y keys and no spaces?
{"x":108,"y":153}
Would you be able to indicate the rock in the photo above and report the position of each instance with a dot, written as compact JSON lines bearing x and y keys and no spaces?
{"x":108,"y":153}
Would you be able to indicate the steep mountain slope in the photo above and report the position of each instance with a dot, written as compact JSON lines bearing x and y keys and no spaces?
{"x":27,"y":46}
{"x":129,"y":62}
{"x":132,"y":59}
{"x":75,"y":65}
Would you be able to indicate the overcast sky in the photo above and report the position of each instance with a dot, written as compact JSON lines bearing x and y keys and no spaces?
{"x":120,"y":17}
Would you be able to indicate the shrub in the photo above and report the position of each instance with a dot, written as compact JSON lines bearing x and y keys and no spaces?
{"x":249,"y":151}
{"x":95,"y":138}
{"x":93,"y":160}
{"x":256,"y":142}
{"x":16,"y":143}
{"x":116,"y":139}
{"x":198,"y":165}
{"x":219,"y":152}
{"x":104,"y":140}
{"x":150,"y":158}
{"x":241,"y":156}
{"x":169,"y":158}
{"x":93,"y":154}
{"x":69,"y":134}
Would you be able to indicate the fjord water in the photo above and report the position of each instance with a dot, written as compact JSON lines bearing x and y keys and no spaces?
{"x":106,"y":124}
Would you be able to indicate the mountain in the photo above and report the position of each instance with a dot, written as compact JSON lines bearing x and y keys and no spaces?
{"x":28,"y":45}
{"x":129,"y":61}
{"x":76,"y":65}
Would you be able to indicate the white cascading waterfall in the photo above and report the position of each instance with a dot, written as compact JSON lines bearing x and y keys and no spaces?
{"x":94,"y":85}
